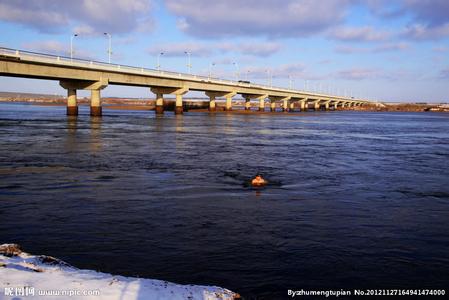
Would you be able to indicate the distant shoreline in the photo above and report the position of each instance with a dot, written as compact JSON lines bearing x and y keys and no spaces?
{"x":201,"y":105}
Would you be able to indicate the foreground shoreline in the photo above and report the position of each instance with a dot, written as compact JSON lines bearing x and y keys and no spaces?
{"x":40,"y":276}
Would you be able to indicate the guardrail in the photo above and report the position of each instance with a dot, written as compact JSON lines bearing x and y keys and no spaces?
{"x":77,"y":62}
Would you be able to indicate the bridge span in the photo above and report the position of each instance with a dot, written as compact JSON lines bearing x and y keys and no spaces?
{"x":76,"y":74}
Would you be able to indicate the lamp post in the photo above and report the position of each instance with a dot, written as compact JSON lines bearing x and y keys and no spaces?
{"x":237,"y":74}
{"x":189,"y":64}
{"x":71,"y":45}
{"x":110,"y":46}
{"x":158,"y":65}
{"x":270,"y":78}
{"x":290,"y":82}
{"x":247,"y":74}
{"x":210,"y":69}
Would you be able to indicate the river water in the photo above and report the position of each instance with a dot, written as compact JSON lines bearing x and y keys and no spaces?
{"x":356,"y":200}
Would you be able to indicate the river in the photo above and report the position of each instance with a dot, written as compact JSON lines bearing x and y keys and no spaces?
{"x":355,"y":200}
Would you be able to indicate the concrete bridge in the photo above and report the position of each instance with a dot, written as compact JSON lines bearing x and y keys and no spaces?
{"x":76,"y":74}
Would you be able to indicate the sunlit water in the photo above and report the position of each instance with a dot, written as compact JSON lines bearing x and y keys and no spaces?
{"x":357,"y":200}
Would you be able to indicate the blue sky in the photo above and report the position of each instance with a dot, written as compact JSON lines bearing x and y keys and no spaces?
{"x":377,"y":49}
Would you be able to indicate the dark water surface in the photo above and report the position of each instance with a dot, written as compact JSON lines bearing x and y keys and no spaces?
{"x":359,"y":200}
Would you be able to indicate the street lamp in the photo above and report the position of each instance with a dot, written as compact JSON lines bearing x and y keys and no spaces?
{"x":71,"y":45}
{"x":210,"y":69}
{"x":189,"y":64}
{"x":247,"y":74}
{"x":270,"y":78}
{"x":306,"y":85}
{"x":110,"y":46}
{"x":158,"y":65}
{"x":290,"y":82}
{"x":238,"y":70}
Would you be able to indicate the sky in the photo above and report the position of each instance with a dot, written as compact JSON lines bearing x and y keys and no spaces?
{"x":393,"y":51}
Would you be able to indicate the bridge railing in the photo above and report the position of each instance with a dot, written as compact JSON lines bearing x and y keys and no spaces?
{"x":77,"y":62}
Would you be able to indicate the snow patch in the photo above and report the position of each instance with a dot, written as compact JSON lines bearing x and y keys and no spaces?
{"x":46,"y":277}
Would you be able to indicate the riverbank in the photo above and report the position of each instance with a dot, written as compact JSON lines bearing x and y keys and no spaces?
{"x":201,"y":105}
{"x":406,"y":107}
{"x":40,"y":276}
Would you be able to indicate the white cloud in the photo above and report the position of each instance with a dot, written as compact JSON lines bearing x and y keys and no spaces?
{"x":31,"y":15}
{"x":423,"y":32}
{"x":359,"y":74}
{"x":441,"y":49}
{"x":261,"y":49}
{"x":85,"y":30}
{"x":179,"y":49}
{"x":359,"y":34}
{"x":221,"y":18}
{"x":444,"y":73}
{"x":114,"y":16}
{"x":57,"y":48}
{"x":430,"y":12}
{"x":384,"y":47}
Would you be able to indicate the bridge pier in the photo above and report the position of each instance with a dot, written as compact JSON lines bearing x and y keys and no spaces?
{"x":273,"y":99}
{"x":72,"y":106}
{"x":303,"y":105}
{"x":95,"y":103}
{"x":262,"y":103}
{"x":327,"y":106}
{"x":212,"y":103}
{"x":179,"y":92}
{"x":229,"y":101}
{"x":178,"y":104}
{"x":95,"y":98}
{"x":273,"y":106}
{"x":316,"y":105}
{"x":285,"y":106}
{"x":292,"y":106}
{"x":247,"y":103}
{"x":159,"y":108}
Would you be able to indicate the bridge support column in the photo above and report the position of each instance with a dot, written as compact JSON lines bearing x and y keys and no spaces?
{"x":95,"y":103}
{"x":72,"y":106}
{"x":228,"y":103}
{"x":262,"y":103}
{"x":179,"y":92}
{"x":178,"y":104}
{"x":212,"y":103}
{"x":303,"y":105}
{"x":336,"y":105}
{"x":95,"y":98}
{"x":247,"y":103}
{"x":285,"y":105}
{"x":292,"y":106}
{"x":159,"y":109}
{"x":327,"y":106}
{"x":214,"y":94}
{"x":316,"y":105}
{"x":273,"y":106}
